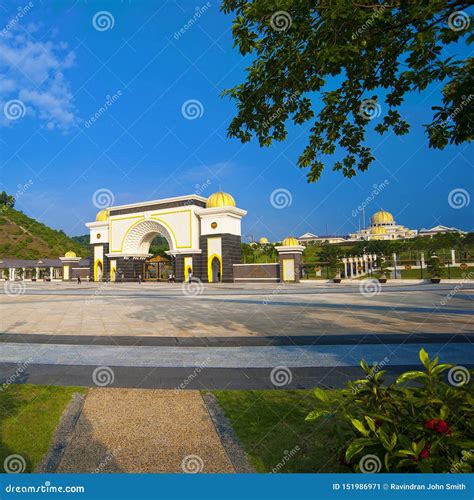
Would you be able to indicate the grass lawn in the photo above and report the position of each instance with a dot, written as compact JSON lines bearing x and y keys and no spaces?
{"x":29,"y":415}
{"x":272,"y":428}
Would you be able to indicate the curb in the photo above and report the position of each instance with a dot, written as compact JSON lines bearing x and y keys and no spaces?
{"x":226,"y":433}
{"x":63,"y":434}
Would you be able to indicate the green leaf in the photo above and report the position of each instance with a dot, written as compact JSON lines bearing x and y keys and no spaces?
{"x":356,"y":446}
{"x":315,"y":414}
{"x":404,"y":377}
{"x":424,"y":358}
{"x":360,"y":426}
{"x":321,"y":394}
{"x":371,"y":423}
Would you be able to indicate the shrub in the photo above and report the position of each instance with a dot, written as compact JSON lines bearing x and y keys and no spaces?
{"x":423,"y":426}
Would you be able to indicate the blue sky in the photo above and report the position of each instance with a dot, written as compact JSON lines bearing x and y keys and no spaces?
{"x":63,"y":69}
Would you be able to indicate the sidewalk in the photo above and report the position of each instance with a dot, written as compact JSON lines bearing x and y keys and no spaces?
{"x":140,"y":430}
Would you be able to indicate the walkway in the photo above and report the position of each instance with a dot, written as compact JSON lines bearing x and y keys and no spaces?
{"x":130,"y":430}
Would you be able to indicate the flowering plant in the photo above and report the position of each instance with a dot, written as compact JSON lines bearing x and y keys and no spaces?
{"x":419,"y":423}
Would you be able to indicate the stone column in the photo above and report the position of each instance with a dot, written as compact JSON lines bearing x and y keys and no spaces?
{"x":290,"y":262}
{"x":344,"y":261}
{"x":394,"y":265}
{"x":453,"y":257}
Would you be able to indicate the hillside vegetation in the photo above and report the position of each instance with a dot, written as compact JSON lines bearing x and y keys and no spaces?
{"x":22,"y":237}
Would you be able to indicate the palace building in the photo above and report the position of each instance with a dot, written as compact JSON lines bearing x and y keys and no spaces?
{"x":203,"y":235}
{"x":383,"y":227}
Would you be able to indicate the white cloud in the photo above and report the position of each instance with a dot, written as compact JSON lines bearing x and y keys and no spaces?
{"x":32,"y":70}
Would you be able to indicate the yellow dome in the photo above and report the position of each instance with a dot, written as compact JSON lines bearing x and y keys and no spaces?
{"x":382,"y":217}
{"x":291,"y":241}
{"x":102,"y":216}
{"x":263,"y":241}
{"x":70,"y":254}
{"x":378,"y":230}
{"x":220,"y":199}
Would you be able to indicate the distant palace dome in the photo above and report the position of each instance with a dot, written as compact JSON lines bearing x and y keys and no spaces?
{"x":382,"y":217}
{"x":291,"y":241}
{"x":378,"y":230}
{"x":263,"y":241}
{"x":219,"y":200}
{"x":102,"y":216}
{"x":70,"y":254}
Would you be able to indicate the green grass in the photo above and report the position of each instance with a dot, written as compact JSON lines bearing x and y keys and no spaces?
{"x":272,"y":428}
{"x":29,"y":415}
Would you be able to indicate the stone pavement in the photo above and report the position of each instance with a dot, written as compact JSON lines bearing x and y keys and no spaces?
{"x":137,"y":430}
{"x":234,"y":310}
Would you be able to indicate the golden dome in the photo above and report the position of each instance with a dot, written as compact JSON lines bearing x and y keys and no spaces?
{"x":263,"y":241}
{"x":291,"y":241}
{"x":378,"y":230}
{"x":70,"y":254}
{"x":220,"y":199}
{"x":102,"y":216}
{"x":381,"y":217}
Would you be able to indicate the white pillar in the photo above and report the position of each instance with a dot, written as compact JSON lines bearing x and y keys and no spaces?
{"x":24,"y":273}
{"x":12,"y":273}
{"x":51,"y":270}
{"x":422,"y":259}
{"x":366,"y":268}
{"x":350,"y":266}
{"x":453,"y":257}
{"x":394,"y":265}
{"x":38,"y":273}
{"x":344,"y":260}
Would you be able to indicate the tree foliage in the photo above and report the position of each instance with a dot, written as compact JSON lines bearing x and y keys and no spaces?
{"x":338,"y":64}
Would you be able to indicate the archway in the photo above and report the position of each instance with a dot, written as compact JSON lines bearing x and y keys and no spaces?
{"x":140,"y":236}
{"x":98,"y":270}
{"x":216,"y":270}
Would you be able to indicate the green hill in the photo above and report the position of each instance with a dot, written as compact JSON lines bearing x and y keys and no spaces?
{"x":22,"y":237}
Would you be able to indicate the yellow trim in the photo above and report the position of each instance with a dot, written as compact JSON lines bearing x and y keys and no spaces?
{"x":209,"y":266}
{"x":96,"y":268}
{"x":156,"y":217}
{"x":113,"y":270}
{"x":284,"y":262}
{"x":123,"y":239}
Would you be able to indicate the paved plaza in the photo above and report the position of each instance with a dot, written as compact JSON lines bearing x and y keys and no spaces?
{"x":229,"y":336}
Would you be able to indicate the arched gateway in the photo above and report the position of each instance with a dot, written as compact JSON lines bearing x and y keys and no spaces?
{"x":203,"y":234}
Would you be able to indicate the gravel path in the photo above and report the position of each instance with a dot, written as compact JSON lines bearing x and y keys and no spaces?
{"x":142,"y":430}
